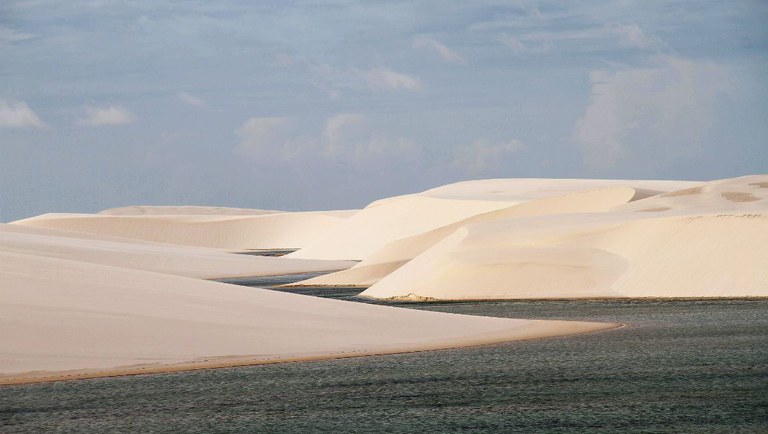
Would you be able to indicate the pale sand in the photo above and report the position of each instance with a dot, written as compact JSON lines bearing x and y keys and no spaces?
{"x":232,"y":232}
{"x":184,"y":210}
{"x":388,"y":220}
{"x":397,"y":253}
{"x":196,"y":262}
{"x":70,"y":319}
{"x":706,"y":241}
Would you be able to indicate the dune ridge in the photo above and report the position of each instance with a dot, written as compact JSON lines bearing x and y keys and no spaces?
{"x":397,"y":253}
{"x":179,"y":260}
{"x":229,"y":231}
{"x":183,"y":210}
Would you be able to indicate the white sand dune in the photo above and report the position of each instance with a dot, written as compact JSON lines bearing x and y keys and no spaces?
{"x":184,"y":210}
{"x":397,"y":253}
{"x":399,"y":217}
{"x":70,"y":319}
{"x":703,"y":241}
{"x":187,"y":261}
{"x":232,"y":232}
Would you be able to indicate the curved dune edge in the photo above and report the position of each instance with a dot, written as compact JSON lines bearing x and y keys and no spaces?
{"x":197,"y":262}
{"x":231,"y":232}
{"x":395,"y":254}
{"x":372,"y":228}
{"x":543,"y":329}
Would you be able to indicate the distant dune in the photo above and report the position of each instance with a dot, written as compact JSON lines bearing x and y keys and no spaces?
{"x":178,"y":260}
{"x":227,"y":231}
{"x":184,"y":210}
{"x":391,"y":219}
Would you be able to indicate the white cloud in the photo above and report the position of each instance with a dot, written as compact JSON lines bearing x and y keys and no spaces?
{"x":446,"y":53}
{"x":337,"y":127}
{"x":107,"y":115}
{"x":18,"y":115}
{"x":663,"y":111}
{"x":9,"y":36}
{"x":190,"y":100}
{"x":515,"y":44}
{"x":345,"y":137}
{"x":483,"y":155}
{"x":336,"y":81}
{"x":631,"y":35}
{"x":387,"y":79}
{"x":595,"y":38}
{"x":263,"y":137}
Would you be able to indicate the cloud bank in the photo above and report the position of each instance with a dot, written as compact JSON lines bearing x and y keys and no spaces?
{"x":661,"y":112}
{"x":106,"y":115}
{"x":448,"y":55}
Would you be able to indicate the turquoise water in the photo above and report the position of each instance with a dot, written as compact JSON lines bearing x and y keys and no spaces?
{"x":678,"y":366}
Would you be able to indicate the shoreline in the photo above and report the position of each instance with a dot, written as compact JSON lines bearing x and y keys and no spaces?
{"x":556,"y":329}
{"x":431,"y":300}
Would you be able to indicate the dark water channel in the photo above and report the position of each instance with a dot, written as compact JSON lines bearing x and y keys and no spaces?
{"x":678,"y":366}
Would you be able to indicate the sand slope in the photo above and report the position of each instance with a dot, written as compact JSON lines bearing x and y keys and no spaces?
{"x":232,"y":232}
{"x":184,"y":210}
{"x":703,"y":241}
{"x":142,"y":255}
{"x":59,"y":315}
{"x":397,"y":253}
{"x":388,"y":220}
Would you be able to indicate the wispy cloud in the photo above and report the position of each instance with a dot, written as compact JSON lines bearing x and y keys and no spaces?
{"x":664,"y":109}
{"x":631,"y":35}
{"x":18,"y":115}
{"x":262,"y":136}
{"x":516,"y":45}
{"x":604,"y":37}
{"x":9,"y":36}
{"x":345,"y":138}
{"x":387,"y":79}
{"x":106,"y":115}
{"x":188,"y":99}
{"x":448,"y":55}
{"x":336,"y":81}
{"x":336,"y":127}
{"x":483,"y":155}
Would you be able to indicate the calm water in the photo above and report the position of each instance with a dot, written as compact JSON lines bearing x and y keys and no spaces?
{"x":683,"y":366}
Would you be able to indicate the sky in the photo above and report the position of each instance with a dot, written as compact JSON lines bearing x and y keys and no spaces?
{"x":301,"y":105}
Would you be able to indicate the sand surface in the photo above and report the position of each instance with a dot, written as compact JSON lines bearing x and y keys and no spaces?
{"x":227,"y":231}
{"x":179,"y":260}
{"x":391,"y":219}
{"x":63,"y":315}
{"x":184,"y":210}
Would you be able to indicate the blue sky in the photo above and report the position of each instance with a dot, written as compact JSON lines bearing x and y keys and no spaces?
{"x":332,"y":104}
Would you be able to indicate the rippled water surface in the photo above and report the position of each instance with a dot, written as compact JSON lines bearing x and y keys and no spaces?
{"x":678,"y":366}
